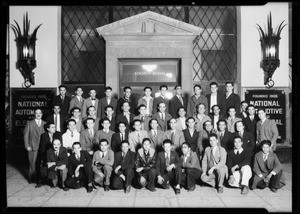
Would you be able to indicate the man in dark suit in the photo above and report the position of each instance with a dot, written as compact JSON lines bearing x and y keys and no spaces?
{"x":126,"y":116}
{"x":57,"y":161}
{"x":156,"y":136}
{"x":32,"y":134}
{"x":162,"y":117}
{"x":92,"y":100}
{"x":161,"y":99}
{"x":45,"y":144}
{"x":145,"y":164}
{"x":127,"y":98}
{"x":175,"y":135}
{"x":191,"y":170}
{"x":109,"y":112}
{"x":250,"y":121}
{"x":118,"y":137}
{"x":226,"y":137}
{"x":247,"y":139}
{"x":177,"y":101}
{"x":242,"y":113}
{"x":108,"y":100}
{"x":191,"y":135}
{"x":168,"y":167}
{"x":123,"y":168}
{"x":62,"y":100}
{"x":79,"y":169}
{"x":57,"y":119}
{"x":145,"y":120}
{"x":231,"y":99}
{"x":215,"y":98}
{"x":216,"y":116}
{"x":77,"y":100}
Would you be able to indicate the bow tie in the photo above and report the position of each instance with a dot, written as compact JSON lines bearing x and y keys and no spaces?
{"x":93,"y":98}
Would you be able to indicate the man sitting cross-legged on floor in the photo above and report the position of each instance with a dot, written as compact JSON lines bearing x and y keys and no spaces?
{"x":79,"y":169}
{"x":103,"y":161}
{"x":57,"y":161}
{"x":238,"y":163}
{"x":145,"y":165}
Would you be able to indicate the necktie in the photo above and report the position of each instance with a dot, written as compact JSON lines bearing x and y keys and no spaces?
{"x":221,"y":136}
{"x":154,"y":133}
{"x":172,"y":137}
{"x":62,"y":99}
{"x":237,"y":152}
{"x":139,"y":137}
{"x":102,"y":154}
{"x":123,"y":155}
{"x":55,"y":122}
{"x":167,"y":160}
{"x":56,"y":154}
{"x":181,"y":100}
{"x":91,"y":133}
{"x":122,"y":137}
{"x":265,"y":158}
{"x":162,"y":116}
{"x":77,"y":157}
{"x":240,"y":134}
{"x":142,"y":119}
{"x":72,"y":135}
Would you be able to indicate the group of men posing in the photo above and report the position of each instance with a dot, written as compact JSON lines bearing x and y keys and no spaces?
{"x":153,"y":142}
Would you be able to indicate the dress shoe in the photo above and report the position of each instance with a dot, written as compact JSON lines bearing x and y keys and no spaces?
{"x":89,"y":189}
{"x":106,"y":188}
{"x":94,"y":185}
{"x":273,"y":190}
{"x":65,"y":188}
{"x":38,"y":185}
{"x":177,"y":191}
{"x":152,"y":189}
{"x":191,"y":189}
{"x":166,"y":185}
{"x":127,"y":189}
{"x":245,"y":190}
{"x":220,"y":190}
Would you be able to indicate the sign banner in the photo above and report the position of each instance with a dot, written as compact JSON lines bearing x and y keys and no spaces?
{"x":274,"y":103}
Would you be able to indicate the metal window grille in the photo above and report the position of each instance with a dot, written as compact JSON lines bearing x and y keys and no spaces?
{"x":83,"y":50}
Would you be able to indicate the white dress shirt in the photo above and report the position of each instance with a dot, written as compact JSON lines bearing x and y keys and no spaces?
{"x":68,"y":140}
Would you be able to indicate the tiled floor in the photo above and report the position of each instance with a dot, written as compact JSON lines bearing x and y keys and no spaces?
{"x":22,"y":194}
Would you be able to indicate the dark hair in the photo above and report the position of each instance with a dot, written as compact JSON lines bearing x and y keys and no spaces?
{"x":127,"y":87}
{"x":105,"y":119}
{"x":213,"y":83}
{"x":215,"y":106}
{"x":89,"y":118}
{"x":186,"y":143}
{"x":152,"y":120}
{"x":103,"y":140}
{"x":142,"y":105}
{"x":250,"y":106}
{"x":56,"y":104}
{"x":74,"y":108}
{"x":147,"y":87}
{"x":237,"y":137}
{"x":173,"y":118}
{"x":71,"y":120}
{"x":229,"y":82}
{"x":146,"y":139}
{"x":76,"y":143}
{"x":125,"y":102}
{"x":222,"y":120}
{"x":107,"y":88}
{"x":197,"y":85}
{"x":197,"y":106}
{"x":265,"y":142}
{"x":206,"y":122}
{"x":109,"y":106}
{"x":136,"y":120}
{"x":163,"y":86}
{"x":244,"y":101}
{"x":180,"y":108}
{"x":47,"y":125}
{"x":78,"y":87}
{"x":189,"y":118}
{"x":240,"y":121}
{"x":167,"y":141}
{"x":261,"y":109}
{"x":213,"y":135}
{"x":231,"y":108}
{"x":39,"y":109}
{"x":121,"y":122}
{"x":125,"y":141}
{"x":176,"y":87}
{"x":91,"y":106}
{"x":62,"y":86}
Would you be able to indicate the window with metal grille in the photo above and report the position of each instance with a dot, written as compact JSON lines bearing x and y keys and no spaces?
{"x":83,"y":50}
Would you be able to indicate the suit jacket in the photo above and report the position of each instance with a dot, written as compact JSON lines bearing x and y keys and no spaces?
{"x":46,"y":144}
{"x":177,"y":140}
{"x":158,"y":100}
{"x":145,"y":122}
{"x":156,"y":142}
{"x":76,"y":103}
{"x":248,"y":141}
{"x":87,"y":103}
{"x":194,"y":141}
{"x":64,"y":106}
{"x":116,"y":141}
{"x":62,"y":159}
{"x":103,"y":103}
{"x":192,"y":161}
{"x":162,"y":124}
{"x":231,"y":124}
{"x":267,"y":131}
{"x":220,"y":102}
{"x":250,"y":126}
{"x":122,"y":118}
{"x":193,"y":102}
{"x":102,"y":135}
{"x":199,"y":123}
{"x":87,"y":142}
{"x":107,"y":160}
{"x":140,"y":160}
{"x":226,"y":141}
{"x":134,"y":142}
{"x":161,"y":168}
{"x":97,"y":125}
{"x":241,"y":159}
{"x":50,"y":119}
{"x":213,"y":119}
{"x":132,"y":105}
{"x":143,"y":101}
{"x":233,"y":100}
{"x":126,"y":162}
{"x":175,"y":104}
{"x":32,"y":134}
{"x":203,"y":140}
{"x":219,"y":157}
{"x":85,"y":159}
{"x":112,"y":123}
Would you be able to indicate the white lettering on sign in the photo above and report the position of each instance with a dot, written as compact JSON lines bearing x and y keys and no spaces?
{"x":32,"y":103}
{"x":264,"y":103}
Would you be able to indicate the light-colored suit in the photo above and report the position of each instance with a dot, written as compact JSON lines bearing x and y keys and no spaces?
{"x":177,"y":140}
{"x":145,"y":123}
{"x":32,"y":136}
{"x":231,"y":123}
{"x":87,"y":142}
{"x":135,"y":142}
{"x":179,"y":125}
{"x":105,"y":166}
{"x":199,"y":123}
{"x":219,"y":161}
{"x":267,"y":131}
{"x":162,"y":124}
{"x":156,"y":142}
{"x":76,"y":103}
{"x":87,"y":103}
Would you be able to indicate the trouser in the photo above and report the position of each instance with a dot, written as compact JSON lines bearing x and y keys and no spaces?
{"x":119,"y":183}
{"x":107,"y":170}
{"x":85,"y":177}
{"x":218,"y":174}
{"x":60,"y":174}
{"x":242,"y":176}
{"x":173,"y":176}
{"x":32,"y":157}
{"x":150,"y":176}
{"x":273,"y":183}
{"x":189,"y":177}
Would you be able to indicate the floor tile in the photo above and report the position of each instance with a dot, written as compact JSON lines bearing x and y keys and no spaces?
{"x":121,"y":201}
{"x":194,"y":201}
{"x":281,"y":204}
{"x":82,"y":192}
{"x":60,"y":201}
{"x":233,"y":192}
{"x":167,"y":201}
{"x":283,"y":192}
{"x":26,"y":201}
{"x":44,"y":191}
